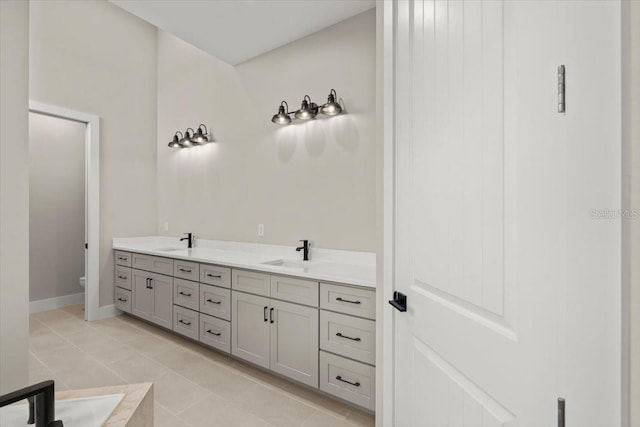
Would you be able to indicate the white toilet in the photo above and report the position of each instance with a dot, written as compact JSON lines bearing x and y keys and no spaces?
{"x":81,"y":281}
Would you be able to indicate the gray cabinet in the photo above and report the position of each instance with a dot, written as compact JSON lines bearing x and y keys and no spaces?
{"x":152,"y":297}
{"x":250,"y":328}
{"x":294,"y":341}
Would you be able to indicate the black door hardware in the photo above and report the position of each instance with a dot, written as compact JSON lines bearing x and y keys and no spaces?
{"x":265,"y":313}
{"x":184,"y":322}
{"x":399,"y":301}
{"x":339,"y":334}
{"x":346,"y":300}
{"x":209,"y":331}
{"x":339,"y":378}
{"x":214,"y":302}
{"x":271,"y":314}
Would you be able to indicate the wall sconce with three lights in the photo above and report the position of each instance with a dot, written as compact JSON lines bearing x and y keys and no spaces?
{"x":308,"y":110}
{"x":191,"y":138}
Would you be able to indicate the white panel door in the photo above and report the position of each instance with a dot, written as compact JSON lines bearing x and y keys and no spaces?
{"x":486,"y":192}
{"x":250,"y":328}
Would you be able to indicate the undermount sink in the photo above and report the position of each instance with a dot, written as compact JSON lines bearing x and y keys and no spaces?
{"x":293,"y":264}
{"x":170,"y":249}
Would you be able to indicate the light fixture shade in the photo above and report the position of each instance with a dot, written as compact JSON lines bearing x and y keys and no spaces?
{"x":186,"y":140}
{"x":282,"y":118}
{"x":200,"y":137}
{"x":308,"y":110}
{"x":175,"y":142}
{"x":331,"y":108}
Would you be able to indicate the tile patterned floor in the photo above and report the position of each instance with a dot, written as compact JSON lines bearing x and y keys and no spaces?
{"x":193,"y":386}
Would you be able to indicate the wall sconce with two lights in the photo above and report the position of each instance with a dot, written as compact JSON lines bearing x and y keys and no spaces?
{"x":308,"y":110}
{"x":191,"y":138}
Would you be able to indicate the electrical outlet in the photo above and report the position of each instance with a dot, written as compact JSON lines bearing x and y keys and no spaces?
{"x":166,"y":226}
{"x":260,"y":230}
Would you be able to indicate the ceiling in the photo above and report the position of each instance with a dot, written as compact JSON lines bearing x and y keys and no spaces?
{"x":238,"y":30}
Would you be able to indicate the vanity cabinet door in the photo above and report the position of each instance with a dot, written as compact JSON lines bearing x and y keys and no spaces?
{"x":162,"y":300}
{"x":250,"y":328}
{"x":294,"y":341}
{"x":141,"y":294}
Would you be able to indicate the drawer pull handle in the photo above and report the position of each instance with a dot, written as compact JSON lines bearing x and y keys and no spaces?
{"x":209,"y":331}
{"x":184,"y":293}
{"x":356,"y":384}
{"x":217,"y":276}
{"x":122,"y":277}
{"x":184,"y":322}
{"x":346,"y":300}
{"x":122,"y":299}
{"x":214,"y":302}
{"x":185,"y":270}
{"x":339,"y":334}
{"x":122,"y":258}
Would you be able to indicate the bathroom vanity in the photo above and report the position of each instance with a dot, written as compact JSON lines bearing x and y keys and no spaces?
{"x":310,"y":321}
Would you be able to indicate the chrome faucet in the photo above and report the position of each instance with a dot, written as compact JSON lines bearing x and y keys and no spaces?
{"x":190,"y":239}
{"x":305,"y":248}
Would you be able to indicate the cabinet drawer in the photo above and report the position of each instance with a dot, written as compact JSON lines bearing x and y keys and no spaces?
{"x":251,"y":282}
{"x":186,"y":293}
{"x":215,"y":333}
{"x":123,"y":277}
{"x":348,"y":336}
{"x":123,"y":258}
{"x":123,"y":300}
{"x":347,"y":379}
{"x":214,"y":275}
{"x":152,"y":263}
{"x":186,"y":270}
{"x":343,"y":299}
{"x":294,"y":290}
{"x":186,"y":322}
{"x":215,"y":301}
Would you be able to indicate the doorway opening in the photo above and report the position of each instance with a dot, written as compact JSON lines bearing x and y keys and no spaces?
{"x":61,"y":204}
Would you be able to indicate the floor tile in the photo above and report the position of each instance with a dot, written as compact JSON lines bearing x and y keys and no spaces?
{"x":88,"y":374}
{"x":163,"y":418}
{"x":151,"y":345}
{"x":362,"y":419}
{"x":51,"y":316}
{"x":64,"y":358}
{"x":76,"y":310}
{"x":45,"y":342}
{"x":323,"y":419}
{"x":317,"y":400}
{"x":176,"y":393}
{"x":275,"y":407}
{"x":118,"y":329}
{"x":216,"y":411}
{"x":138,"y":368}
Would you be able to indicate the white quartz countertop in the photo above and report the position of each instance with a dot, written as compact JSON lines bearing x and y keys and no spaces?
{"x":349,"y":267}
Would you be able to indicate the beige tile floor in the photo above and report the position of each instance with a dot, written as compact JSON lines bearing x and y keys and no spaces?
{"x":193,"y":386}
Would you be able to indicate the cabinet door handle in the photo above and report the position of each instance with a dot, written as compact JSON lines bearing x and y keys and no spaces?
{"x":356,"y":384}
{"x":339,"y":334}
{"x":265,"y":313}
{"x":346,"y":300}
{"x":184,"y":293}
{"x":271,"y":314}
{"x":150,"y":283}
{"x":184,"y":322}
{"x":217,"y":276}
{"x":122,"y":277}
{"x":209,"y":331}
{"x":184,"y":270}
{"x":214,"y":302}
{"x":122,"y":299}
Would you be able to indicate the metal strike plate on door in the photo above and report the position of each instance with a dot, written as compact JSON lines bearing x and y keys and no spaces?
{"x":561,"y":89}
{"x":399,"y":301}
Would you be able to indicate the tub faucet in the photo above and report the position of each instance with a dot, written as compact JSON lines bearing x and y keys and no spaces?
{"x":305,"y":248}
{"x":190,"y":239}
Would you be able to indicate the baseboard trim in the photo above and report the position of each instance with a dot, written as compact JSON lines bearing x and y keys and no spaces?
{"x":107,"y":311}
{"x":56,"y":302}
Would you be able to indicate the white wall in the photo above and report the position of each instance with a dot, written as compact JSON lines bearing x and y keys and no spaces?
{"x":94,"y":57}
{"x":56,"y":206}
{"x":314,"y":180}
{"x":14,"y":194}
